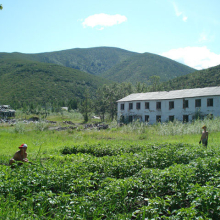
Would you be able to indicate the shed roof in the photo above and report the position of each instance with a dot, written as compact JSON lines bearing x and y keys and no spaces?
{"x":174,"y":94}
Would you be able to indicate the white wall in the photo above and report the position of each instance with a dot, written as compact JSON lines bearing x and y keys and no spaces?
{"x":165,"y":112}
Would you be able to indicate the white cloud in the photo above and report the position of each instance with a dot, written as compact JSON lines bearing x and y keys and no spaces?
{"x":195,"y":57}
{"x":103,"y":20}
{"x":179,"y":13}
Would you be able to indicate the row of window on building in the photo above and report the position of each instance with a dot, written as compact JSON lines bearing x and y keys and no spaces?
{"x":198,"y":103}
{"x":158,"y":118}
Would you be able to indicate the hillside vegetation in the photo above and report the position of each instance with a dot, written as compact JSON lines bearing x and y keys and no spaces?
{"x":90,"y":60}
{"x":112,"y":63}
{"x":28,"y":81}
{"x":199,"y":79}
{"x":23,"y":79}
{"x":140,"y":67}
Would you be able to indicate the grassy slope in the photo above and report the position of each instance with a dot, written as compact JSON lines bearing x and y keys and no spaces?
{"x":34,"y":81}
{"x":90,"y":60}
{"x":140,"y":67}
{"x":199,"y":79}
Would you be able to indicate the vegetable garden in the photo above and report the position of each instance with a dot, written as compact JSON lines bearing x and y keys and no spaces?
{"x":110,"y":180}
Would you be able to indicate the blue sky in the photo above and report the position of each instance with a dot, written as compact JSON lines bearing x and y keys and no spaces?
{"x":187,"y":31}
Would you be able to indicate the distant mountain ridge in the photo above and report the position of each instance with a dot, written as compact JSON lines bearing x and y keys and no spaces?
{"x":91,"y":60}
{"x":26,"y":78}
{"x":140,"y":67}
{"x":199,"y":79}
{"x":112,"y":63}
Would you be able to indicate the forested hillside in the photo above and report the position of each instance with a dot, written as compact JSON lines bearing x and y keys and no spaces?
{"x":199,"y":79}
{"x":112,"y":63}
{"x":141,"y":67}
{"x":90,"y":60}
{"x":28,"y":81}
{"x":24,"y":80}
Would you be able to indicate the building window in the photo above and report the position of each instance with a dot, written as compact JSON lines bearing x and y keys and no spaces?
{"x":146,"y":117}
{"x":158,"y":105}
{"x":130,"y":106}
{"x":130,"y":118}
{"x":122,"y":106}
{"x":198,"y":103}
{"x":171,"y":118}
{"x":210,"y":102}
{"x":147,"y":105}
{"x":185,"y":103}
{"x":138,"y":105}
{"x":171,"y":104}
{"x":185,"y":118}
{"x":158,"y":118}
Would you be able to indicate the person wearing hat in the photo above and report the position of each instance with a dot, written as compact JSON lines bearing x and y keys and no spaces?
{"x":20,"y":155}
{"x":204,"y":137}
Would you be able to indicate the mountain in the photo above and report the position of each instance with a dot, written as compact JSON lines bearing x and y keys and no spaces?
{"x":29,"y":81}
{"x":91,"y":60}
{"x":112,"y":63}
{"x":199,"y":79}
{"x":68,"y":74}
{"x":140,"y":67}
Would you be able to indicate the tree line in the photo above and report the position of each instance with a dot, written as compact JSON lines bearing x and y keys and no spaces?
{"x":102,"y":103}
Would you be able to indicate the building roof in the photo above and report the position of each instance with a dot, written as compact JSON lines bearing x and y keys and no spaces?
{"x":174,"y":94}
{"x":6,"y":108}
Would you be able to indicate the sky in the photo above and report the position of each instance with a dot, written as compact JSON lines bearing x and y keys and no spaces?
{"x":187,"y":31}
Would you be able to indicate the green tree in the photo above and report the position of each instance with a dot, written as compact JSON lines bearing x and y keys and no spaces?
{"x":126,"y":89}
{"x":1,"y":7}
{"x":72,"y":104}
{"x":86,"y":106}
{"x":112,"y":96}
{"x":140,"y":87}
{"x":155,"y":80}
{"x":26,"y":109}
{"x":107,"y":96}
{"x":100,"y":106}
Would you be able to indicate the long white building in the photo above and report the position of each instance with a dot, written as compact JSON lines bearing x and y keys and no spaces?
{"x":164,"y":106}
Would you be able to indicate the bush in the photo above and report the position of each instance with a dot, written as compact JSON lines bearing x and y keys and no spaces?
{"x":19,"y":128}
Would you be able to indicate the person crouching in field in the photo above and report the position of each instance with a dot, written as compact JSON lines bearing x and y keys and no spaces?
{"x":20,"y":155}
{"x":204,"y":137}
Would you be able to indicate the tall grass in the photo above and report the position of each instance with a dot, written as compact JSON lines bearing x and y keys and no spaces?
{"x":73,"y":115}
{"x":170,"y":128}
{"x":136,"y":126}
{"x":179,"y":128}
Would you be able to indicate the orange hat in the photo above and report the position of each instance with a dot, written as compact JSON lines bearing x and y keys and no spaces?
{"x":23,"y":145}
{"x":203,"y":126}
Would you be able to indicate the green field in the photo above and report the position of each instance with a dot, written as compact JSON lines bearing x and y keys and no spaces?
{"x":132,"y":172}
